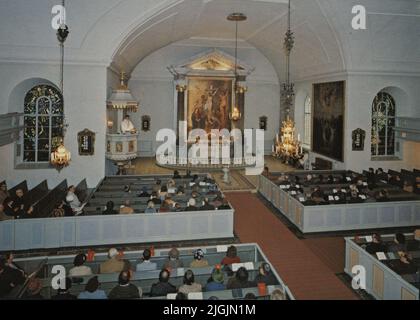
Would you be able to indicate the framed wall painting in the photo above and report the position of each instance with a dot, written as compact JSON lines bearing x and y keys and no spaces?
{"x":209,"y":103}
{"x":328,"y":119}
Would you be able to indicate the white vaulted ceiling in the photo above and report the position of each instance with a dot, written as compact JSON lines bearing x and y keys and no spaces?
{"x":124,"y":32}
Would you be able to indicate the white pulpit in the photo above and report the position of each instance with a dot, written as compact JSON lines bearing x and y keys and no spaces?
{"x":122,"y":147}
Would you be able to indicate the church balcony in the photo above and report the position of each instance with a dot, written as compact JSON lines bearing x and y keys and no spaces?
{"x":10,"y":128}
{"x":408,"y":129}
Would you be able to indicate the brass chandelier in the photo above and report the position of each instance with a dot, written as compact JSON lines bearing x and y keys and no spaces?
{"x":236,"y":115}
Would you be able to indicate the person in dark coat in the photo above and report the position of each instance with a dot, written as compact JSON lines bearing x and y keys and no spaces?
{"x":163,"y":287}
{"x":376,"y":245}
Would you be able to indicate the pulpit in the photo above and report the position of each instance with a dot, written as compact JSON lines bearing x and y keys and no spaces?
{"x":122,"y":140}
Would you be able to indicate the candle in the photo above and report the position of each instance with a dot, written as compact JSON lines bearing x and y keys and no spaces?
{"x":299,"y":137}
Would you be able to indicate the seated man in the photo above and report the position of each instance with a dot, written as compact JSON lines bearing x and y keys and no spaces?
{"x":146,"y":264}
{"x":127,"y":126}
{"x":191,"y":205}
{"x":18,"y":201}
{"x":173,"y":261}
{"x":126,"y":208}
{"x":404,"y":265}
{"x":125,"y":289}
{"x":163,"y":287}
{"x":9,"y":278}
{"x":114,"y":264}
{"x":206,"y":205}
{"x":64,"y":294}
{"x":376,"y":245}
{"x":74,"y":202}
{"x":399,"y":244}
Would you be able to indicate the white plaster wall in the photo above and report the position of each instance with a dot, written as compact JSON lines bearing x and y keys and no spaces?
{"x":84,"y":95}
{"x":152,"y":84}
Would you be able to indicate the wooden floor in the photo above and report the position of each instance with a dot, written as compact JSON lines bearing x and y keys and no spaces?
{"x":308,"y":267}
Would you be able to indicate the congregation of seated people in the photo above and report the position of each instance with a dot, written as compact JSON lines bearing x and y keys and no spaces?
{"x":162,"y":197}
{"x":221,"y":278}
{"x":347,"y":186}
{"x":405,"y":253}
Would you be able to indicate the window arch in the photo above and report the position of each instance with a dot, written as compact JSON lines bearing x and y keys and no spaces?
{"x":308,"y":122}
{"x":383,"y":125}
{"x":43,"y":121}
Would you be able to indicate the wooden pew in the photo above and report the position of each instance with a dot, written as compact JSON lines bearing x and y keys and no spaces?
{"x":46,"y":205}
{"x":36,"y":194}
{"x":322,"y":164}
{"x":82,"y":191}
{"x":23,"y":186}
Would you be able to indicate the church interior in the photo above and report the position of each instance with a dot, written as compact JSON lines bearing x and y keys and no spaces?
{"x":210,"y":150}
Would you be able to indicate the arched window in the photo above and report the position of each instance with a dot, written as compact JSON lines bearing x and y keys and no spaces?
{"x":44,"y":121}
{"x":383,"y":125}
{"x":308,"y":122}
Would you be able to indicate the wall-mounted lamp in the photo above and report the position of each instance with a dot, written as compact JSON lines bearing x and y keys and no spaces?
{"x":110,"y":124}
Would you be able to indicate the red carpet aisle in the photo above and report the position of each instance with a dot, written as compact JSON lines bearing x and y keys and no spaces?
{"x":305,"y":274}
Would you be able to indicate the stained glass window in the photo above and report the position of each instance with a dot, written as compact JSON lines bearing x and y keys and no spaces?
{"x":308,"y":122}
{"x":44,"y":120}
{"x":383,"y":125}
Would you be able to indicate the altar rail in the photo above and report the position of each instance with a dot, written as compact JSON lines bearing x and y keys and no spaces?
{"x":381,"y":282}
{"x":49,"y":233}
{"x":340,"y":217}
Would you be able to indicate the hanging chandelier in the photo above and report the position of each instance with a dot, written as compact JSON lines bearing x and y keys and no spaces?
{"x":236,"y":115}
{"x":288,"y":148}
{"x":61,"y":157}
{"x":288,"y":88}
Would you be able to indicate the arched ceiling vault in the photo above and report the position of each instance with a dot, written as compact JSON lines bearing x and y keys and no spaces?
{"x":317,"y":45}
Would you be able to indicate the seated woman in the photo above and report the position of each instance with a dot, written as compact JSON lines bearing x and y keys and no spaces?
{"x":240,"y":281}
{"x":199,"y":261}
{"x":231,"y":256}
{"x":92,"y":291}
{"x":215,"y":282}
{"x":189,"y":284}
{"x":150,"y":207}
{"x":79,"y":270}
{"x":163,"y":193}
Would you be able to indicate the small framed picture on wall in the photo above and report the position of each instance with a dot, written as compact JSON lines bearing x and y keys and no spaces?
{"x":145,"y":123}
{"x":263,"y":123}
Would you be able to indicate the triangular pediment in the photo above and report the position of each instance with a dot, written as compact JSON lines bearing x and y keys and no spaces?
{"x":213,"y":61}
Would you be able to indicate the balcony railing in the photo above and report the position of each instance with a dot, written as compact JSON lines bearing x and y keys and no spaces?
{"x":10,"y":127}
